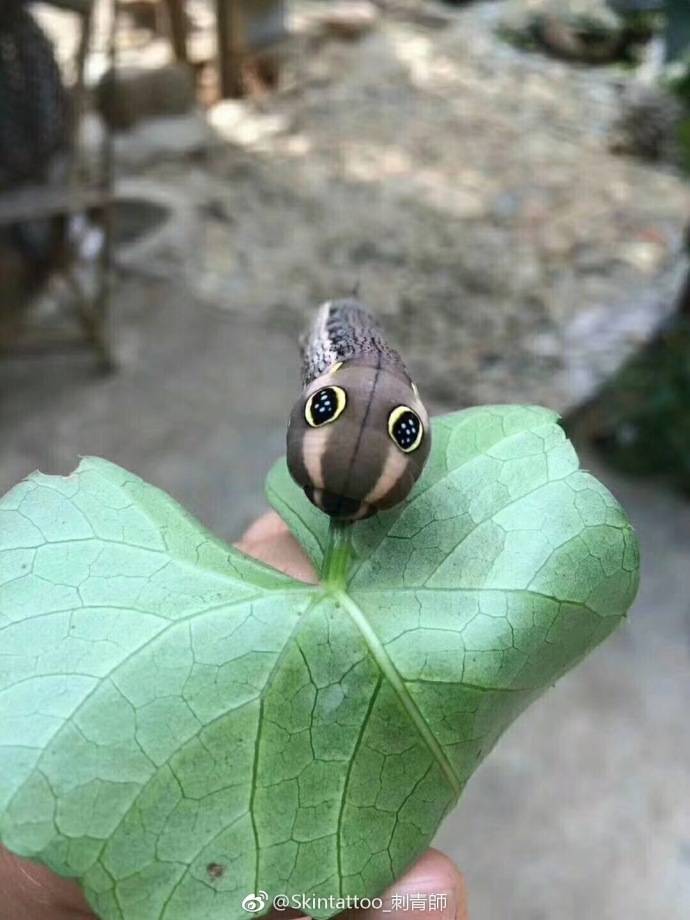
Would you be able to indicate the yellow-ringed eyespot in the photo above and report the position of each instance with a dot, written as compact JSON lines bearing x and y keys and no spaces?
{"x":405,"y":428}
{"x":325,"y":406}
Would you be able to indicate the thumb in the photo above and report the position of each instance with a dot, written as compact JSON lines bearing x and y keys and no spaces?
{"x":32,"y":892}
{"x":433,"y":889}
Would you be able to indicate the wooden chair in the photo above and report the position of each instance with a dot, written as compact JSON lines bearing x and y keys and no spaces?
{"x":82,"y":193}
{"x":243,"y":27}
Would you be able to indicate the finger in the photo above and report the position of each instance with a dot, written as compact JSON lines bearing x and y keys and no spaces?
{"x":269,"y":540}
{"x":32,"y":892}
{"x":433,"y":889}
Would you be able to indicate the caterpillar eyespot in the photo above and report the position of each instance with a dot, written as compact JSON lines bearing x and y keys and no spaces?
{"x":405,"y":428}
{"x":325,"y":406}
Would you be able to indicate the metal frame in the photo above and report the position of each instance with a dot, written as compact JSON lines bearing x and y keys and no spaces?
{"x":78,"y":195}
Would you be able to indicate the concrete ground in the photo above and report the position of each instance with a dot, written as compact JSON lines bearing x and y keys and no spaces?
{"x":583,"y":808}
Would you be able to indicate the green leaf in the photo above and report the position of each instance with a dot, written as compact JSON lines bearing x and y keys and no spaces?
{"x":181,"y":726}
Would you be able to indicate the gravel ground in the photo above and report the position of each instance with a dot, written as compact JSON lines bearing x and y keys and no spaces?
{"x":465,"y":185}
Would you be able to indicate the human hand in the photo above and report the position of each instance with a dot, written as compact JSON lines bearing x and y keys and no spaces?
{"x":32,"y":892}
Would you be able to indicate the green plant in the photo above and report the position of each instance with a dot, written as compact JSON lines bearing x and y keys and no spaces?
{"x":641,"y":419}
{"x":181,"y":726}
{"x":677,"y":35}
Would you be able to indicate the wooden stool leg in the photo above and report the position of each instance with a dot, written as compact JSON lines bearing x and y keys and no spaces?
{"x":178,"y":28}
{"x":231,"y":47}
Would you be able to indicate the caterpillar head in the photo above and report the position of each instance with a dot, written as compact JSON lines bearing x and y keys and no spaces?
{"x":358,"y":438}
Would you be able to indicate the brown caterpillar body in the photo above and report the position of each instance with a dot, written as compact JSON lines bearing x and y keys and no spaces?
{"x":359,"y":435}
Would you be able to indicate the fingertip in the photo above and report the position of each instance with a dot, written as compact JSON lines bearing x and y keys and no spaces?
{"x":29,"y":891}
{"x":432,"y":866}
{"x":445,"y":872}
{"x":269,"y":526}
{"x":270,"y":541}
{"x":432,"y":889}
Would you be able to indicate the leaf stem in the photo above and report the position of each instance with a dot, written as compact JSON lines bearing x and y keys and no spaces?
{"x":338,"y":555}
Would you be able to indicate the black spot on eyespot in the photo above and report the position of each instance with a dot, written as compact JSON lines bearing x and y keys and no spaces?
{"x":406,"y":429}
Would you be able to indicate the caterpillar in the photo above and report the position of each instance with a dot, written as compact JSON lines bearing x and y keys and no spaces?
{"x":358,"y":437}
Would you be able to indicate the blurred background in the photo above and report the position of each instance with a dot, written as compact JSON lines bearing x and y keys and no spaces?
{"x":182,"y":182}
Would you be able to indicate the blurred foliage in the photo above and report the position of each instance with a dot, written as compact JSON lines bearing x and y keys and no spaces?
{"x":672,"y":17}
{"x":641,"y":420}
{"x":684,"y":144}
{"x":678,"y":82}
{"x":589,"y":31}
{"x":677,"y":36}
{"x":620,"y":27}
